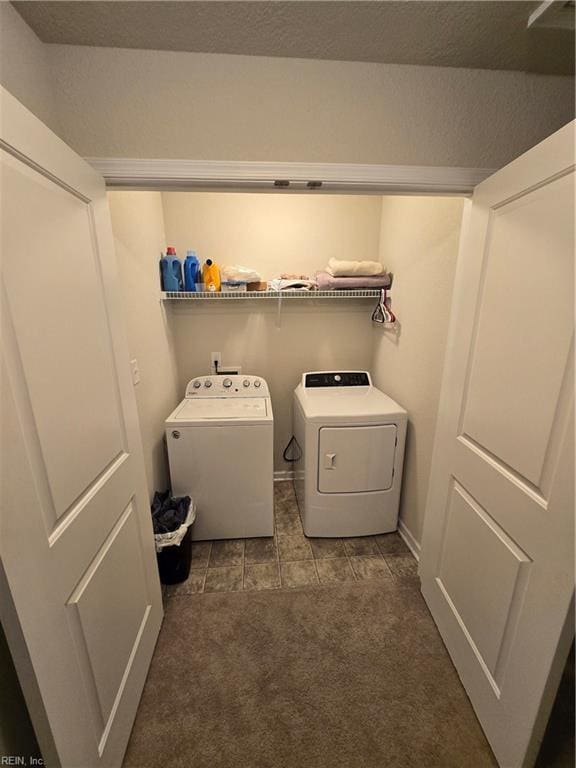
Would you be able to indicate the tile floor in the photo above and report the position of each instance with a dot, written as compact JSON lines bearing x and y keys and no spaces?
{"x":290,"y":559}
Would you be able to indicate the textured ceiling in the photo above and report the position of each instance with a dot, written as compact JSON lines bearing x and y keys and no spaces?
{"x":460,"y":33}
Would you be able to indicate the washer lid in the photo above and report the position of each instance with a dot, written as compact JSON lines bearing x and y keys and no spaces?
{"x":222,"y":410}
{"x":344,"y":404}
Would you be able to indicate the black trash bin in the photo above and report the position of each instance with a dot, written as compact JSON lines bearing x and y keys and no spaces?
{"x":172,"y":519}
{"x":174,"y":561}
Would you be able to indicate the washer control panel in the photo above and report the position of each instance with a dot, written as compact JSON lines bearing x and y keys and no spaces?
{"x":239,"y":385}
{"x":336,"y":379}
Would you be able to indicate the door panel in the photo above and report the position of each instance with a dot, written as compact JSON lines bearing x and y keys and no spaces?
{"x":526,"y":301}
{"x":76,"y":539}
{"x":54,"y":273}
{"x":120,"y":614}
{"x":497,"y":564}
{"x":356,"y":459}
{"x":480,"y":572}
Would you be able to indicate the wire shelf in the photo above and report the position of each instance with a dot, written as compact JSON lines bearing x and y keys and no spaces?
{"x":368,"y":293}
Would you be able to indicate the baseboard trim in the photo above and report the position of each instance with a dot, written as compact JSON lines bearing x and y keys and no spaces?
{"x":409,"y":539}
{"x":280,"y":475}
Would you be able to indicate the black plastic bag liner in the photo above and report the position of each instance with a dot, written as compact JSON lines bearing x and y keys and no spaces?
{"x":169,"y":514}
{"x":172,"y":521}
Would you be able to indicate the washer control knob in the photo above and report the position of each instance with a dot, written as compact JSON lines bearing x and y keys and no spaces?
{"x":227,"y":383}
{"x":197,"y":384}
{"x":257,"y":383}
{"x":246,"y":383}
{"x":207,"y":383}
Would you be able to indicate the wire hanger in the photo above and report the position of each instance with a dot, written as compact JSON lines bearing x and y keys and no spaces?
{"x":382,"y":313}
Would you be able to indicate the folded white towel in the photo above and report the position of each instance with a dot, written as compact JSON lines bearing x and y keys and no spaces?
{"x":354,"y":268}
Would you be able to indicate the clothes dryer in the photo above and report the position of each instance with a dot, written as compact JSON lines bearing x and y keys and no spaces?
{"x":350,"y":440}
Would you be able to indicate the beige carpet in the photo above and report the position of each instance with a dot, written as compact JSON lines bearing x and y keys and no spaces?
{"x":346,"y":676}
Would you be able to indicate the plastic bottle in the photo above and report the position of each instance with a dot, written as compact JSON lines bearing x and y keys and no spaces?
{"x":161,"y":271}
{"x":211,"y":276}
{"x":171,"y":271}
{"x":191,"y":271}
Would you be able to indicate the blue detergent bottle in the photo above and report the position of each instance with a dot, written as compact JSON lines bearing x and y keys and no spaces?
{"x":171,"y":271}
{"x":191,"y":271}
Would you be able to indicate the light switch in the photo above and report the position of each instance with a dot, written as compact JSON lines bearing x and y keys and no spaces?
{"x":135,"y":371}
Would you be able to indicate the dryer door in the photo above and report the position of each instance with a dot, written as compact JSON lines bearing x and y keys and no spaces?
{"x":356,"y":459}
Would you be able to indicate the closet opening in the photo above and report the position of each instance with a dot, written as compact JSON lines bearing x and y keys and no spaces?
{"x":279,"y":335}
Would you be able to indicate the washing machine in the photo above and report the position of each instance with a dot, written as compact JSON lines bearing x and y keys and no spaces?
{"x":349,"y":454}
{"x":220,"y":451}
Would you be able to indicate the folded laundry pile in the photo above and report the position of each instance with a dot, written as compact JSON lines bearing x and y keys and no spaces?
{"x":338,"y":268}
{"x":327,"y":282}
{"x":351,"y":275}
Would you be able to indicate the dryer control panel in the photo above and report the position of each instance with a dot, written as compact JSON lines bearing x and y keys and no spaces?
{"x":336,"y":379}
{"x":237,"y":385}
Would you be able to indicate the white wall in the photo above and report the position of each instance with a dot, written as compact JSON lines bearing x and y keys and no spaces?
{"x":419,"y":243}
{"x":274,"y":234}
{"x":25,"y":68}
{"x":138,"y":224}
{"x":132,"y":103}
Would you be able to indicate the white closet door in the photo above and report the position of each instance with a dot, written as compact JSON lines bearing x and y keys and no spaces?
{"x":81,"y":602}
{"x":498,"y":550}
